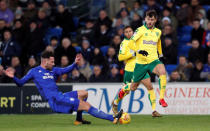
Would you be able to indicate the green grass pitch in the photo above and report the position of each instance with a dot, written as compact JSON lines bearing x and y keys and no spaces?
{"x":60,"y":122}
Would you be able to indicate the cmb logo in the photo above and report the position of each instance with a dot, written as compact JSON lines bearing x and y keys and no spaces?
{"x":103,"y":97}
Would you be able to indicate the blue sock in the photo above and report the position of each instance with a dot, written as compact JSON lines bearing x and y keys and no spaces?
{"x":79,"y":114}
{"x":100,"y":114}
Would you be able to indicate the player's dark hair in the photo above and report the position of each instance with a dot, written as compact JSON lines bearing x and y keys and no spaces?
{"x":123,"y":1}
{"x":151,"y":13}
{"x":127,"y":28}
{"x":196,"y":19}
{"x":47,"y":54}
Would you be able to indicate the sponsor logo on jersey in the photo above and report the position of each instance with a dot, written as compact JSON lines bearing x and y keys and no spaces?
{"x":149,"y":42}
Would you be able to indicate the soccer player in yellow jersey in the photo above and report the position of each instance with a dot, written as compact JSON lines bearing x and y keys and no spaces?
{"x":147,"y":45}
{"x":129,"y":57}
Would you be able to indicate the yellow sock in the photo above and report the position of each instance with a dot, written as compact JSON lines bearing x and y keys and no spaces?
{"x":162,"y":85}
{"x":122,"y":93}
{"x":152,"y":99}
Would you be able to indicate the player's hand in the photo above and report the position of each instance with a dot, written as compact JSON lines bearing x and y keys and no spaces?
{"x":9,"y":72}
{"x":78,"y":58}
{"x":143,"y":52}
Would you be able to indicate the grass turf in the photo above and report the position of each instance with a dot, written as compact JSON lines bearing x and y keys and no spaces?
{"x":60,"y":122}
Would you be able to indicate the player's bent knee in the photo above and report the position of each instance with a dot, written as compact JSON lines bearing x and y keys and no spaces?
{"x":84,"y":106}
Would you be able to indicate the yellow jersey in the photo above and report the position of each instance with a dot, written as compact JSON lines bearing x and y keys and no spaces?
{"x":126,"y":55}
{"x":148,"y":40}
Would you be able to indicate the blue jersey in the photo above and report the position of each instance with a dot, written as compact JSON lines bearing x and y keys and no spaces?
{"x":45,"y":80}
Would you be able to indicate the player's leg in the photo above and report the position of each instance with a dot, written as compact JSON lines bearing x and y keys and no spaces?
{"x":152,"y":97}
{"x":125,"y":89}
{"x":82,"y":95}
{"x":161,"y":72}
{"x":85,"y":106}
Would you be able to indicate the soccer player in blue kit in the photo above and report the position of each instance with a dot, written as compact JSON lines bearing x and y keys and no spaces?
{"x":45,"y":76}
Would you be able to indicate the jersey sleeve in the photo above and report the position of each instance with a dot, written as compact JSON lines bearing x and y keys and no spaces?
{"x":61,"y":71}
{"x":137,"y":34}
{"x":159,"y":47}
{"x":22,"y":81}
{"x":124,"y":52}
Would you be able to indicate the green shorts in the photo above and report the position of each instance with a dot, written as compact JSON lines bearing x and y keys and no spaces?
{"x":141,"y":70}
{"x":129,"y":75}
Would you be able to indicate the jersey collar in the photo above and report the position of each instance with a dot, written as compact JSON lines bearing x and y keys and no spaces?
{"x":147,"y":27}
{"x":126,"y":38}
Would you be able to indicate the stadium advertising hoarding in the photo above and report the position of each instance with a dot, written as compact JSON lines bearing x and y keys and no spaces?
{"x":182,"y":98}
{"x":25,"y":99}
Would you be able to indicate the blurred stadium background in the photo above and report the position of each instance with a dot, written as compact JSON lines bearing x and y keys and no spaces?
{"x":95,"y":29}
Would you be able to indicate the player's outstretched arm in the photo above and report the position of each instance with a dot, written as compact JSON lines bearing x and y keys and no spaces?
{"x":10,"y":72}
{"x":69,"y":68}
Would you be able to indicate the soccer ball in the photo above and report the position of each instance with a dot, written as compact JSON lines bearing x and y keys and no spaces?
{"x":125,"y":118}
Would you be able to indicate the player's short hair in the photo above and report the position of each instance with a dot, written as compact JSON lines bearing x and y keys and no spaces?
{"x":47,"y":54}
{"x":127,"y":27}
{"x":151,"y":13}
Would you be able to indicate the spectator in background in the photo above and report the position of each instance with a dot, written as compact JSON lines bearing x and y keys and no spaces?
{"x":206,"y":38}
{"x":30,"y":11}
{"x":49,"y":48}
{"x":114,"y":75}
{"x":172,"y":6}
{"x":64,"y":19}
{"x":202,"y":17}
{"x":19,"y":13}
{"x":54,"y":42}
{"x":197,"y":31}
{"x":194,"y":8}
{"x":175,"y":76}
{"x":184,"y":15}
{"x":196,"y":52}
{"x":165,"y":21}
{"x":123,"y":5}
{"x":102,"y":38}
{"x":117,"y":23}
{"x":124,"y":15}
{"x":15,"y":63}
{"x":169,"y":51}
{"x":137,"y":9}
{"x":2,"y":28}
{"x":46,"y":6}
{"x":42,"y":20}
{"x":19,"y":32}
{"x":64,"y":63}
{"x":196,"y":72}
{"x":34,"y":39}
{"x":169,"y":32}
{"x":116,"y":43}
{"x":205,"y":74}
{"x":31,"y":64}
{"x":87,"y":50}
{"x":136,"y":21}
{"x":87,"y":32}
{"x":77,"y":77}
{"x":84,"y":68}
{"x":111,"y":57}
{"x":1,"y":74}
{"x":98,"y":57}
{"x":9,"y":48}
{"x":168,"y":13}
{"x":184,"y":68}
{"x":152,"y":5}
{"x":103,"y":20}
{"x":120,"y":32}
{"x":97,"y":75}
{"x":65,"y":48}
{"x":5,"y":13}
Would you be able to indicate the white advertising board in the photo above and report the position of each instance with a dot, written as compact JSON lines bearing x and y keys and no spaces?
{"x":182,"y":98}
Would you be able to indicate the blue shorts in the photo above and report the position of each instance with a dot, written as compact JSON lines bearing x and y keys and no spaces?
{"x":65,"y":103}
